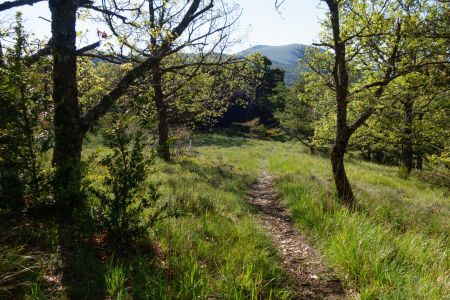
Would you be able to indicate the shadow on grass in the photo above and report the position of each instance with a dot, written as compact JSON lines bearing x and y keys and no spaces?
{"x":55,"y":261}
{"x":83,"y":272}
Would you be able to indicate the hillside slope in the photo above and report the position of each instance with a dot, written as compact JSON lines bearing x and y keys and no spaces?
{"x":285,"y":57}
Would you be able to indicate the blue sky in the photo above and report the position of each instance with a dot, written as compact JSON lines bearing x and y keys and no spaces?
{"x":297,"y":22}
{"x":260,"y":23}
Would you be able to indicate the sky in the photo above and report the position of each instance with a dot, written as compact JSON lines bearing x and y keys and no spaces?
{"x":260,"y":23}
{"x":297,"y":22}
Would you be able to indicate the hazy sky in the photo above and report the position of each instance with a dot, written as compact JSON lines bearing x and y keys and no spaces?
{"x":297,"y":22}
{"x":260,"y":23}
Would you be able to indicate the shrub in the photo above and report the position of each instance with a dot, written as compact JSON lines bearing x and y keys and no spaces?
{"x":437,"y":177}
{"x":125,"y":198}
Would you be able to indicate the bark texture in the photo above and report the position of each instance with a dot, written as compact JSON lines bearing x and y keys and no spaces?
{"x":68,"y":133}
{"x":343,"y":132}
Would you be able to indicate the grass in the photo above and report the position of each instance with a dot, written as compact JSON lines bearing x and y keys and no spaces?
{"x":394,"y":246}
{"x":209,"y":247}
{"x":15,"y":268}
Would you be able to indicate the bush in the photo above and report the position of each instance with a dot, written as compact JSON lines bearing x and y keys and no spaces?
{"x":125,"y":199}
{"x":437,"y":177}
{"x":403,"y":172}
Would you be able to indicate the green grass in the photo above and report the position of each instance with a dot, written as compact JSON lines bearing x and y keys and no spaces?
{"x":211,"y":246}
{"x":393,"y":246}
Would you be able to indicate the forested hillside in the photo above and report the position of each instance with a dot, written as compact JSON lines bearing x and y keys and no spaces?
{"x":285,"y":57}
{"x":139,"y":159}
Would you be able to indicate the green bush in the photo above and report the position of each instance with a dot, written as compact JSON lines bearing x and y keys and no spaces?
{"x":436,"y":177}
{"x":125,"y":197}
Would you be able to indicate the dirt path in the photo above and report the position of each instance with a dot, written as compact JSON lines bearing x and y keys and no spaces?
{"x":302,"y":262}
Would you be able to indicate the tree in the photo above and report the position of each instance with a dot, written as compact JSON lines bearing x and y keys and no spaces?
{"x":205,"y":41}
{"x":371,"y":44}
{"x":70,"y":126}
{"x":419,"y":115}
{"x":252,"y":84}
{"x":299,"y":109}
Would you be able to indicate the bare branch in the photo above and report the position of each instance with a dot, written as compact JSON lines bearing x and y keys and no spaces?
{"x":11,"y":4}
{"x":88,"y":48}
{"x":105,"y":11}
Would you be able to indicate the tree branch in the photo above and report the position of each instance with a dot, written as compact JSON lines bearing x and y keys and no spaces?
{"x":11,"y":4}
{"x":47,"y":50}
{"x":189,"y":17}
{"x":105,"y":11}
{"x":108,"y":100}
{"x":87,"y":48}
{"x":29,"y":60}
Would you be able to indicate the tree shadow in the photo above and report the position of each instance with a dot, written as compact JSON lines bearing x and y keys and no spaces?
{"x":59,"y":262}
{"x":83,"y":269}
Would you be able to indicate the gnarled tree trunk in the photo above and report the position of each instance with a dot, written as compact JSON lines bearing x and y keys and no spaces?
{"x":343,"y":132}
{"x":68,"y":132}
{"x":342,"y":183}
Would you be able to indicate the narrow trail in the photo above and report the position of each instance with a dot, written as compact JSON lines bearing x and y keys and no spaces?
{"x":301,"y":261}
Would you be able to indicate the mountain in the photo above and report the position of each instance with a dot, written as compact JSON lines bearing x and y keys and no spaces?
{"x":284,"y":57}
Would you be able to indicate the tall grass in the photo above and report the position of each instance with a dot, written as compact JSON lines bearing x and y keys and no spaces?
{"x":209,"y":245}
{"x":394,"y":246}
{"x":16,"y":269}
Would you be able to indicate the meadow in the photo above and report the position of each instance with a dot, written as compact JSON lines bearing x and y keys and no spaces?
{"x":209,"y":244}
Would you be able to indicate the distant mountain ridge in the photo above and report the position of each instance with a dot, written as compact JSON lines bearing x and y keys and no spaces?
{"x":285,"y":57}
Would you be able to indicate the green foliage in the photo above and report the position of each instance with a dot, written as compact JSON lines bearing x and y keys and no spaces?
{"x":297,"y":113}
{"x":24,"y":127}
{"x":408,"y":97}
{"x":115,"y":281}
{"x":284,"y":57}
{"x":126,"y":196}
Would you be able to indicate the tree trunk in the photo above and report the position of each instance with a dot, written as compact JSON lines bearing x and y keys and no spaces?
{"x":68,"y":132}
{"x":163,"y":124}
{"x":407,"y":149}
{"x":419,"y":153}
{"x":343,"y":187}
{"x":1,"y":55}
{"x":343,"y":132}
{"x":419,"y":161}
